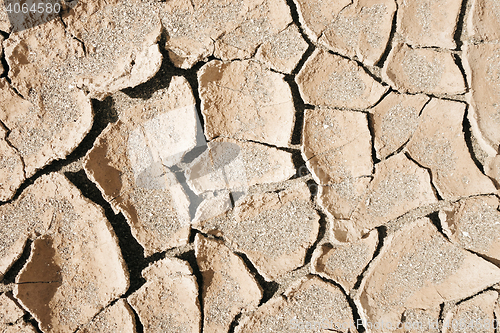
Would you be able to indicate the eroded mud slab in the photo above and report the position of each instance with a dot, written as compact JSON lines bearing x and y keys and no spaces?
{"x":273,"y":229}
{"x":343,"y":263}
{"x":168,"y":301}
{"x":331,"y":80}
{"x":423,"y":71}
{"x":359,"y":28}
{"x":244,"y":100}
{"x":473,"y":315}
{"x":427,"y":23}
{"x":474,"y":224}
{"x":130,"y":163}
{"x":11,"y":168}
{"x":116,"y":318}
{"x":228,"y":286}
{"x":419,"y":272}
{"x":398,"y":186}
{"x":484,"y":20}
{"x":228,"y":30}
{"x":336,"y":145}
{"x":395,"y":119}
{"x":75,"y":267}
{"x":439,"y":144}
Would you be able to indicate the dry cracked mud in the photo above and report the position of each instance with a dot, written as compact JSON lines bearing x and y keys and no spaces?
{"x":245,"y":166}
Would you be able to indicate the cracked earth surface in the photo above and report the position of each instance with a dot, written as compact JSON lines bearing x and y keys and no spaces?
{"x":251,"y":166}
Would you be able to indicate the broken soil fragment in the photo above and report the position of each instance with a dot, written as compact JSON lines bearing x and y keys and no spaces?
{"x":427,"y":23}
{"x":419,"y":269}
{"x":359,"y":28}
{"x":283,"y":52}
{"x":75,"y":268}
{"x":423,"y":71}
{"x":439,"y":144}
{"x":474,"y":224}
{"x":131,"y":159}
{"x":344,"y":263}
{"x":228,"y":286}
{"x":228,"y":30}
{"x":309,"y":304}
{"x":331,"y":80}
{"x":341,"y":199}
{"x":484,"y":21}
{"x":118,"y":318}
{"x":395,"y":119}
{"x":11,"y":168}
{"x":274,"y":230}
{"x":168,"y":301}
{"x":336,"y":145}
{"x":398,"y":186}
{"x":473,"y":315}
{"x":244,"y":100}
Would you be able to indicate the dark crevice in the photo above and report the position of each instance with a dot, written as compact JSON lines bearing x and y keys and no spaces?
{"x":11,"y":274}
{"x":458,"y":62}
{"x":300,"y":108}
{"x":139,"y":328}
{"x":354,"y":309}
{"x":457,"y":36}
{"x":104,"y":113}
{"x":28,"y":318}
{"x":380,"y":63}
{"x":190,"y":257}
{"x":434,"y":217}
{"x":494,"y":261}
{"x":323,"y":224}
{"x":371,"y":127}
{"x":299,"y":165}
{"x":235,"y":322}
{"x":132,"y":251}
{"x":382,"y":234}
{"x":436,"y":192}
{"x":269,"y":288}
{"x":468,"y":136}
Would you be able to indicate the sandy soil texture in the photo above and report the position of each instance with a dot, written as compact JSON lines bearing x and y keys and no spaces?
{"x":250,"y":166}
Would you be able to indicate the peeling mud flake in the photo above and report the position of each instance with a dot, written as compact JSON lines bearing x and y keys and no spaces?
{"x":331,"y":80}
{"x":274,"y":230}
{"x":131,"y":163}
{"x":336,"y":145}
{"x":228,"y":286}
{"x":310,"y":304}
{"x":344,"y":263}
{"x":474,"y":224}
{"x":358,"y":28}
{"x":168,"y":301}
{"x":419,"y":269}
{"x":439,"y":144}
{"x":75,"y":268}
{"x":423,"y":71}
{"x":244,"y":100}
{"x":228,"y":30}
{"x":484,"y":20}
{"x":428,"y":23}
{"x":118,"y":318}
{"x":474,"y":315}
{"x":483,"y":69}
{"x":398,"y":186}
{"x":395,"y":119}
{"x":341,"y":199}
{"x":11,"y":168}
{"x":284,"y":51}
